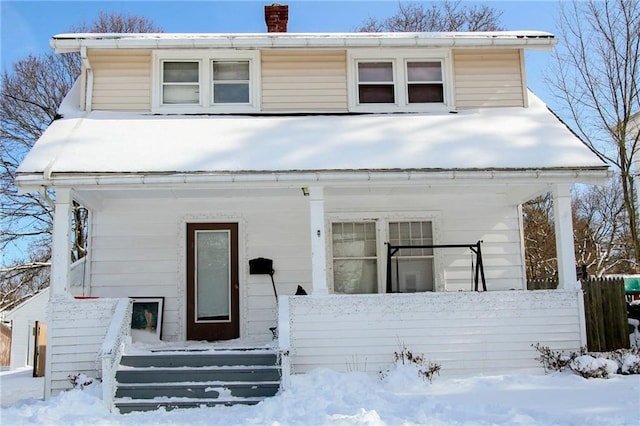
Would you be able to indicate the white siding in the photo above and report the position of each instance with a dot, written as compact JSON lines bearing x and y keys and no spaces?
{"x":464,"y":332}
{"x":488,"y":78}
{"x":138,"y":245}
{"x":138,"y":250}
{"x":122,"y":80}
{"x":23,"y":319}
{"x":75,"y":334}
{"x":300,"y":80}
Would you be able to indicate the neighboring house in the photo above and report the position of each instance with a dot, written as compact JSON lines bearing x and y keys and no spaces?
{"x":196,"y":153}
{"x":23,"y":322}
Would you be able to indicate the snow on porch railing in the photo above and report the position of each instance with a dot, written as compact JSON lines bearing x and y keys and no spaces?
{"x":112,"y":348}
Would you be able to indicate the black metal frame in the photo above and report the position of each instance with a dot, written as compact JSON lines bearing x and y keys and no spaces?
{"x":475,"y":248}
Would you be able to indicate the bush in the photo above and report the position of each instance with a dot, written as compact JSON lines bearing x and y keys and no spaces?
{"x":80,"y":381}
{"x":595,"y":365}
{"x":426,"y":368}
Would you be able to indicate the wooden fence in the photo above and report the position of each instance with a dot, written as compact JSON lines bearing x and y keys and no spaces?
{"x":605,"y":311}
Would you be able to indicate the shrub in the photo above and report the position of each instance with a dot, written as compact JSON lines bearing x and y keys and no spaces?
{"x":426,"y":368}
{"x":80,"y":381}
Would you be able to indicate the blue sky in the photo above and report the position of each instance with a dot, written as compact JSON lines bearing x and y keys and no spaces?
{"x":28,"y":25}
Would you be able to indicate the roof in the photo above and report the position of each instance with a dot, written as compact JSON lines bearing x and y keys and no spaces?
{"x":480,"y":139}
{"x":73,"y":42}
{"x":42,"y":298}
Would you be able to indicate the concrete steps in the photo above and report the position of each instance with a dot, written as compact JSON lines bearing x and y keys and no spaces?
{"x":182,"y":379}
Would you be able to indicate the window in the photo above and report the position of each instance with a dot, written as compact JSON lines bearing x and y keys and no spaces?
{"x":402,"y":81}
{"x":359,"y":258}
{"x":206,"y":81}
{"x":375,"y":82}
{"x":180,"y":83}
{"x":354,"y":257}
{"x":411,"y":269}
{"x":230,"y":82}
{"x":424,"y":82}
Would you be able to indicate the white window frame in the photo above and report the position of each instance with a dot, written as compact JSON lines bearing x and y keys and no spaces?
{"x":205,"y":59}
{"x":382,"y":220}
{"x":400,"y":58}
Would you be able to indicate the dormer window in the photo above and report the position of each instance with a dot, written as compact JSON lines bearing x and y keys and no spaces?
{"x":375,"y":83}
{"x":207,"y":81}
{"x":399,"y":81}
{"x":180,"y":83}
{"x":231,"y":82}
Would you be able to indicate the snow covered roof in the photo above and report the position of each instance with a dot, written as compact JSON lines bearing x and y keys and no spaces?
{"x":96,"y":143}
{"x":64,"y":43}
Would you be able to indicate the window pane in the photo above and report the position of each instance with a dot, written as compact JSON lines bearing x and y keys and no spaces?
{"x":231,"y":93}
{"x":213,"y":298}
{"x":355,"y":276}
{"x":424,"y":93}
{"x":231,"y":71}
{"x":375,"y":72}
{"x":180,"y":72}
{"x":375,"y":94}
{"x":180,"y":94}
{"x":414,"y":275}
{"x":424,"y":71}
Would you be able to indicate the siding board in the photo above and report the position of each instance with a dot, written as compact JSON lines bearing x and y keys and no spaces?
{"x":464,"y":332}
{"x":311,"y":81}
{"x":122,"y":80}
{"x":488,"y":78}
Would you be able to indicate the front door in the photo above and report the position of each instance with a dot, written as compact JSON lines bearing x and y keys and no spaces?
{"x":212,"y":281}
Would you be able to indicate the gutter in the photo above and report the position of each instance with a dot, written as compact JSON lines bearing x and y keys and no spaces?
{"x":65,"y":43}
{"x":336,"y":178}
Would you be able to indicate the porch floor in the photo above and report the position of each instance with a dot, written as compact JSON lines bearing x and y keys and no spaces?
{"x":242,"y":344}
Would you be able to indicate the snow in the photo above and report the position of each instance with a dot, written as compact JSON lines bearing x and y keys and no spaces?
{"x":490,"y":138}
{"x":325,"y":397}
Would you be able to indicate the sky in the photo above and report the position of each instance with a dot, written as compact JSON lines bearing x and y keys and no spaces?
{"x":27,"y":26}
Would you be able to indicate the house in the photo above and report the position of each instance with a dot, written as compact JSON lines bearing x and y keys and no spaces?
{"x":24,"y":319}
{"x":383,"y":173}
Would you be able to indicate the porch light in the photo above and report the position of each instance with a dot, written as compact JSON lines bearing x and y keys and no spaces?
{"x":305,"y":191}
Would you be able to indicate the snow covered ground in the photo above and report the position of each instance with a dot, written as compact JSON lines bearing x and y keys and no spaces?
{"x":325,"y":397}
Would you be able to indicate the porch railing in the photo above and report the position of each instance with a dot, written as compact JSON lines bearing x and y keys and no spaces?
{"x":112,"y":348}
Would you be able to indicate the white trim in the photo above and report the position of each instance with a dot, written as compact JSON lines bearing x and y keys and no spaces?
{"x":399,"y":59}
{"x":564,"y":237}
{"x":205,"y":59}
{"x":319,"y":241}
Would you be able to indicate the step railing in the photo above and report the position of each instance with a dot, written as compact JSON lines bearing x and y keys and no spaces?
{"x":115,"y":339}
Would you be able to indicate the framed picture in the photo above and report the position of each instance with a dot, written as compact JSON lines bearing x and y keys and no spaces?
{"x":146,"y":319}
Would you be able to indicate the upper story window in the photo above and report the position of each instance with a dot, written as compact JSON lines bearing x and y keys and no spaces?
{"x":402,"y":81}
{"x":206,"y":81}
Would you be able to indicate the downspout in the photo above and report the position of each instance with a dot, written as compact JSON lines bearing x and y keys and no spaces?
{"x":89,"y":87}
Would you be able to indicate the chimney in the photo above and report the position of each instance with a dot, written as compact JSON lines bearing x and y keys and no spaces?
{"x":276,"y":17}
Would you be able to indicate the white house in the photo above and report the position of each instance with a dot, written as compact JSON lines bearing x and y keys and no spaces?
{"x":196,"y":153}
{"x":23,"y":321}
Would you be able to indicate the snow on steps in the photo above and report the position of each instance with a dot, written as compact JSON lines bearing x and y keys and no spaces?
{"x":183,"y":379}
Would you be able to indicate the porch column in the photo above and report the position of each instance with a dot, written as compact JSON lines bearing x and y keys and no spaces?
{"x":61,"y":247}
{"x":564,"y":237}
{"x":318,"y":250}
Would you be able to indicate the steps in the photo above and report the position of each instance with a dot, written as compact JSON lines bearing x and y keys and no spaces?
{"x":183,"y":379}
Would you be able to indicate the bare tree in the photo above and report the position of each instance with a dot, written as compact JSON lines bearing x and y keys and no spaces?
{"x":539,"y":238}
{"x":438,"y":17}
{"x":596,"y":78}
{"x":602,"y":238}
{"x":31,"y":92}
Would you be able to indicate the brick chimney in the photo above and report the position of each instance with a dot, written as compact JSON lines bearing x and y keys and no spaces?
{"x":276,"y":17}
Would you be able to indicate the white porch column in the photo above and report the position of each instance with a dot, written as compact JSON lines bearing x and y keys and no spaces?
{"x":318,"y":249}
{"x":61,"y":247}
{"x":564,"y":237}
